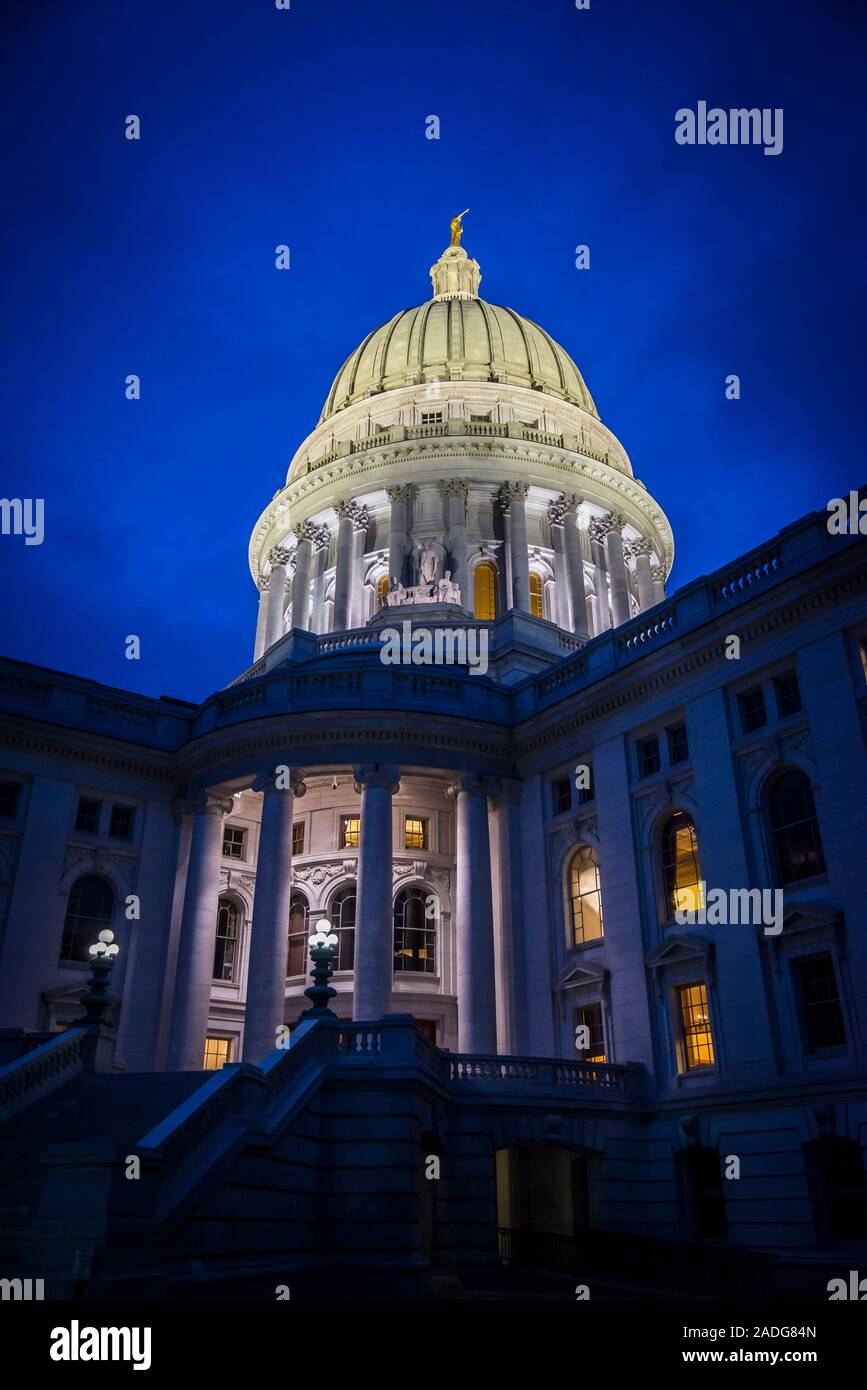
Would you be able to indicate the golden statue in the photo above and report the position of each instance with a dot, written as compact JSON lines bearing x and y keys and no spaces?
{"x":456,"y":227}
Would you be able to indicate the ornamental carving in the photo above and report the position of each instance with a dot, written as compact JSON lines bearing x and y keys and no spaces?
{"x":279,"y":555}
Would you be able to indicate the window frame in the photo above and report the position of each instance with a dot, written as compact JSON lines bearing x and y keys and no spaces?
{"x":419,"y":892}
{"x":424,"y":822}
{"x":589,"y":855}
{"x":89,"y":801}
{"x":230,"y":828}
{"x":772,"y":831}
{"x":122,"y":807}
{"x":99,"y":923}
{"x":233,"y":979}
{"x":681,"y":1045}
{"x":669,"y":886}
{"x":355,"y":842}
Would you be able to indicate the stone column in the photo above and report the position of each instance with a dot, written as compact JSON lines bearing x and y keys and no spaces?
{"x":657,"y":574}
{"x":400,"y":498}
{"x":343,"y":570}
{"x":456,"y":523}
{"x":597,"y":545}
{"x":556,"y":512}
{"x":575,"y":566}
{"x":514,"y":496}
{"x":301,"y":582}
{"x":279,"y":558}
{"x":613,"y":524}
{"x":195,"y":969}
{"x":641,"y":549}
{"x":374,"y":916}
{"x":360,"y":523}
{"x":264,"y":587}
{"x":320,"y":564}
{"x":474,"y":917}
{"x":266,"y":975}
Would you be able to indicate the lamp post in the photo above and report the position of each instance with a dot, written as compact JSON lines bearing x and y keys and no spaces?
{"x":323,"y":949}
{"x":98,"y":1049}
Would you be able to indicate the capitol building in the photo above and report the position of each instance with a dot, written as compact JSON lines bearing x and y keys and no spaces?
{"x":546,"y":1048}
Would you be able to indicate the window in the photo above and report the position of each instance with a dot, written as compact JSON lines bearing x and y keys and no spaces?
{"x":590,"y":1017}
{"x":121,"y":822}
{"x":678,"y":748}
{"x":695,"y":1026}
{"x":234,"y":841}
{"x":585,"y":898}
{"x":88,"y":912}
{"x":414,"y":833}
{"x":9,"y":794}
{"x":414,"y":933}
{"x":87,"y":818}
{"x":648,"y":756}
{"x":350,"y":832}
{"x":702,"y":1169}
{"x":794,"y":829}
{"x":381,"y":590}
{"x":485,"y":592}
{"x":226,"y":942}
{"x":819,"y":998}
{"x":681,"y":871}
{"x":588,"y":793}
{"x":297,"y":837}
{"x":431,"y":417}
{"x":562,"y":790}
{"x":296,"y":960}
{"x":752,"y":707}
{"x":480,"y":419}
{"x":787,"y":694}
{"x":537,"y":600}
{"x":218,"y":1051}
{"x":342,"y":916}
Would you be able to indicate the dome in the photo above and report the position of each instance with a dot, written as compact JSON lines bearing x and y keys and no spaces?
{"x":456,"y":336}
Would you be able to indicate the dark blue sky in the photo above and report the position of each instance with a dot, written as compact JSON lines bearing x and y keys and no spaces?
{"x":307,"y":127}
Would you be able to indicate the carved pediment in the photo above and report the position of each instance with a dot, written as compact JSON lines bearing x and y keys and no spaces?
{"x":678,"y":950}
{"x":581,"y":972}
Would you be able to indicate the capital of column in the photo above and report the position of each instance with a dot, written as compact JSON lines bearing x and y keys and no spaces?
{"x":282,"y":780}
{"x":642,"y":545}
{"x":512,"y":491}
{"x":598,"y":530}
{"x":611,"y":521}
{"x":360,"y":517}
{"x":657,"y":574}
{"x":210,"y":804}
{"x":510,"y":791}
{"x":474,"y":784}
{"x":279,"y":555}
{"x":345,"y":507}
{"x":455,"y":487}
{"x":376,"y":775}
{"x":400,"y":492}
{"x":263,"y":583}
{"x":557,"y":511}
{"x":308,"y":531}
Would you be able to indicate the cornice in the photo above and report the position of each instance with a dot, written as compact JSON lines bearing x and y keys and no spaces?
{"x":59,"y":744}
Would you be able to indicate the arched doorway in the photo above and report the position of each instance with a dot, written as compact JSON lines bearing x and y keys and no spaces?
{"x":543,"y":1203}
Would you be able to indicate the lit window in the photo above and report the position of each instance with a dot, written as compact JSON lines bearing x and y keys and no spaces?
{"x":226,"y":941}
{"x":87,"y":818}
{"x":590,"y":1017}
{"x":298,"y":837}
{"x":234,"y":840}
{"x":695,"y":1026}
{"x":9,"y":793}
{"x":381,"y":590}
{"x":296,"y":961}
{"x":342,"y":916}
{"x":485,"y":592}
{"x":89,"y":911}
{"x":414,"y":933}
{"x":350,"y":832}
{"x":537,"y":601}
{"x":820,"y":1003}
{"x":218,"y":1051}
{"x":795,"y":828}
{"x":121,"y":823}
{"x":681,"y":870}
{"x":678,"y":748}
{"x":788,"y":694}
{"x":752,"y":707}
{"x":414,"y":833}
{"x":585,"y":898}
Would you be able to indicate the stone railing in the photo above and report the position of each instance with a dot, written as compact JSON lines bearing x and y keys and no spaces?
{"x":745,"y":577}
{"x":32,"y":1076}
{"x":543,"y":1072}
{"x":515,"y":429}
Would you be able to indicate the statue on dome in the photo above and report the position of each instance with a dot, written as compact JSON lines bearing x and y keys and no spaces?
{"x":457,"y":228}
{"x":428,"y":564}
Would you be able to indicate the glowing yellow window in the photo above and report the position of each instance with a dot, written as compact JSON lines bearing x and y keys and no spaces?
{"x":681,"y":870}
{"x":537,"y":602}
{"x":350,"y":832}
{"x":218,"y":1051}
{"x":381,"y":590}
{"x":485,"y":593}
{"x":585,"y":898}
{"x":695,"y":1025}
{"x":414,"y":833}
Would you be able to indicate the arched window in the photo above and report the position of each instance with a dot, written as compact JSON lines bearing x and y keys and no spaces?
{"x":296,"y":959}
{"x":794,"y":828}
{"x":537,"y":600}
{"x":342,"y":916}
{"x":381,"y":590}
{"x":585,"y":897}
{"x":485,"y":592}
{"x":89,"y":911}
{"x":226,"y":941}
{"x":681,"y":871}
{"x":415,"y":931}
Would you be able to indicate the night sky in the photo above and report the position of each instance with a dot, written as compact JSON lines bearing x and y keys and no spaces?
{"x":307,"y":127}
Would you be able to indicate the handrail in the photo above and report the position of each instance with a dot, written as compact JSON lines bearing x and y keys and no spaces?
{"x":29,"y":1078}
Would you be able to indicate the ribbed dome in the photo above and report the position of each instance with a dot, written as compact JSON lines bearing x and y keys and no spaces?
{"x":457,"y":337}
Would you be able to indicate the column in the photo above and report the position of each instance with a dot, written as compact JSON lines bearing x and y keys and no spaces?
{"x":264,"y":587}
{"x":657,"y":574}
{"x":374,"y":918}
{"x":641,"y":549}
{"x":195,"y":970}
{"x":474,"y":917}
{"x":509,"y":919}
{"x":556,"y":512}
{"x":360,"y":523}
{"x":613,"y":524}
{"x":597,"y":546}
{"x":301,"y":582}
{"x":456,"y":530}
{"x":320,"y":564}
{"x":514,"y":496}
{"x":575,"y":567}
{"x":400,"y":498}
{"x":343,"y":570}
{"x":279,"y":558}
{"x":266,"y":975}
